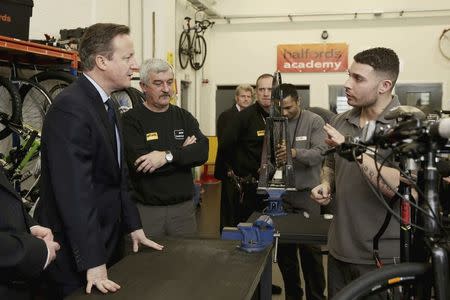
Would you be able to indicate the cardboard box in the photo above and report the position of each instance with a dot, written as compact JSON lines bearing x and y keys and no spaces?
{"x":15,"y":18}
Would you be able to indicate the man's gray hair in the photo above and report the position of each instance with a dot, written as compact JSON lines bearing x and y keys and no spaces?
{"x":153,"y":66}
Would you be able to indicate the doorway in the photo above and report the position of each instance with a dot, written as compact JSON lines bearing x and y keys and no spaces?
{"x":225,"y":97}
{"x":422,"y":95}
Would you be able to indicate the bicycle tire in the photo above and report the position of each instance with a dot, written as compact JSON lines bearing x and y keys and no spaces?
{"x":53,"y":81}
{"x":184,"y":52}
{"x":382,"y":279}
{"x":10,"y":104}
{"x":198,"y":54}
{"x":137,"y":96}
{"x":127,"y":98}
{"x":35,"y":102}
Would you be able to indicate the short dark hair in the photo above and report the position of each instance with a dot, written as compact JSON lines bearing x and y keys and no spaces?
{"x":265,"y":75}
{"x":287,"y":90}
{"x":381,"y":60}
{"x":97,"y":39}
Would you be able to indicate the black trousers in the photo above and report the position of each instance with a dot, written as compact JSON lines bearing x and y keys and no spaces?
{"x":229,"y":204}
{"x":341,"y":273}
{"x":312,"y":269}
{"x":251,"y":201}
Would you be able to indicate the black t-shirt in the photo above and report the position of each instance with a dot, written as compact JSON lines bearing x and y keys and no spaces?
{"x":146,"y":131}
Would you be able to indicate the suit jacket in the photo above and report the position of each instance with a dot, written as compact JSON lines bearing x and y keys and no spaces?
{"x":84,"y":192}
{"x":220,"y":170}
{"x":23,"y":256}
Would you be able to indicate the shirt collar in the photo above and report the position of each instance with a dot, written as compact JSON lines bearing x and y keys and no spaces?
{"x":260,"y":109}
{"x":102,"y":92}
{"x":354,"y":114}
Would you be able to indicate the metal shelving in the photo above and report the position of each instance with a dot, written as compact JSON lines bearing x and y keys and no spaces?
{"x":25,"y":52}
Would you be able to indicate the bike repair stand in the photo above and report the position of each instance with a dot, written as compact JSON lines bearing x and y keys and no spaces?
{"x":254,"y":237}
{"x":275,"y":202}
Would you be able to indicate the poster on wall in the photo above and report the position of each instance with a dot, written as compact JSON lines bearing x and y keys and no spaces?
{"x":309,"y":58}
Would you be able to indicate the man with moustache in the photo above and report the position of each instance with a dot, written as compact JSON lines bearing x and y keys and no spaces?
{"x":163,"y":143}
{"x":358,"y":212}
{"x":229,"y":203}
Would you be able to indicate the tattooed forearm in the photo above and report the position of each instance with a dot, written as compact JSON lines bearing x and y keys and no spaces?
{"x":391,"y":176}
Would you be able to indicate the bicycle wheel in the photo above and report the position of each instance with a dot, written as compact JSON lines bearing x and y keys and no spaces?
{"x":183,"y":49}
{"x":385,"y":278}
{"x":127,"y":98}
{"x":53,"y":81}
{"x":35,"y":102}
{"x":10,"y":104}
{"x":198,"y":54}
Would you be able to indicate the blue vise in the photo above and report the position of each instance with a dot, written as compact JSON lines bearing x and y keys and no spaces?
{"x":254,"y":237}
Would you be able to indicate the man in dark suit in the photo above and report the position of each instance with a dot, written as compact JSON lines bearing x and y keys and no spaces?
{"x":25,"y":247}
{"x":84,"y":193}
{"x":229,"y":203}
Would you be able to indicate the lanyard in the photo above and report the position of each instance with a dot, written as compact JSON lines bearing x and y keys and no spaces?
{"x":264,"y":119}
{"x":296,"y":127}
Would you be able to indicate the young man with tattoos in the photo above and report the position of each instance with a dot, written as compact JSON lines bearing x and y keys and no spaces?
{"x":359,"y":214}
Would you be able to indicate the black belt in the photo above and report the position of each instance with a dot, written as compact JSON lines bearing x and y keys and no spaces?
{"x":18,"y":285}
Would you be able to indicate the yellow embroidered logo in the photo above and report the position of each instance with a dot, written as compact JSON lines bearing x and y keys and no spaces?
{"x":152,"y":136}
{"x":5,"y":18}
{"x":260,"y":133}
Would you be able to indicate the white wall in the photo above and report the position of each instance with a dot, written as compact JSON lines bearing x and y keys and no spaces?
{"x":245,"y":48}
{"x":240,"y":51}
{"x":49,"y":16}
{"x":254,"y":51}
{"x":138,"y":14}
{"x":258,"y":7}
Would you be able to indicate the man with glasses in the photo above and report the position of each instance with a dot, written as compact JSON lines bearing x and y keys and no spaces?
{"x":162,"y":144}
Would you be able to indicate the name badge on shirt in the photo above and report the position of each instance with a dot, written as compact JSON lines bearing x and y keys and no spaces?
{"x":301,"y":138}
{"x":151,"y":136}
{"x":260,"y":133}
{"x":178,"y":134}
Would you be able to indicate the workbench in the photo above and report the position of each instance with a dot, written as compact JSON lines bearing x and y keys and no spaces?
{"x":190,"y":269}
{"x":295,"y":228}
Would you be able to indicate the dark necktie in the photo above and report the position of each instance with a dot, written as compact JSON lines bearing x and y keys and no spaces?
{"x":112,"y":120}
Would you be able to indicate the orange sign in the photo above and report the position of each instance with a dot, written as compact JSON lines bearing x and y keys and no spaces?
{"x":312,"y":58}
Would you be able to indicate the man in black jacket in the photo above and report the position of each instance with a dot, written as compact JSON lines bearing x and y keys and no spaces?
{"x":229,"y":203}
{"x":242,"y":145}
{"x":25,"y":247}
{"x":84,"y":187}
{"x":163,"y":143}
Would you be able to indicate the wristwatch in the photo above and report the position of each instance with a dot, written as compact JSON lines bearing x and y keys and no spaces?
{"x":169,"y":156}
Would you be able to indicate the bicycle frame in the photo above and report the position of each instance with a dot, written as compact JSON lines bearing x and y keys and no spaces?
{"x":19,"y":157}
{"x":429,"y":201}
{"x":192,"y":47}
{"x":413,"y":139}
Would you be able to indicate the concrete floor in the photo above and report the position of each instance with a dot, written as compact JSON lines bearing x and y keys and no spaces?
{"x":208,"y":225}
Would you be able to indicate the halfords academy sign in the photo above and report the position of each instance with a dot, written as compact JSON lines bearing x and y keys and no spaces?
{"x":312,"y":58}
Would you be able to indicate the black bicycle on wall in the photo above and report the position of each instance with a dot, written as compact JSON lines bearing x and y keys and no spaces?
{"x":192,"y":47}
